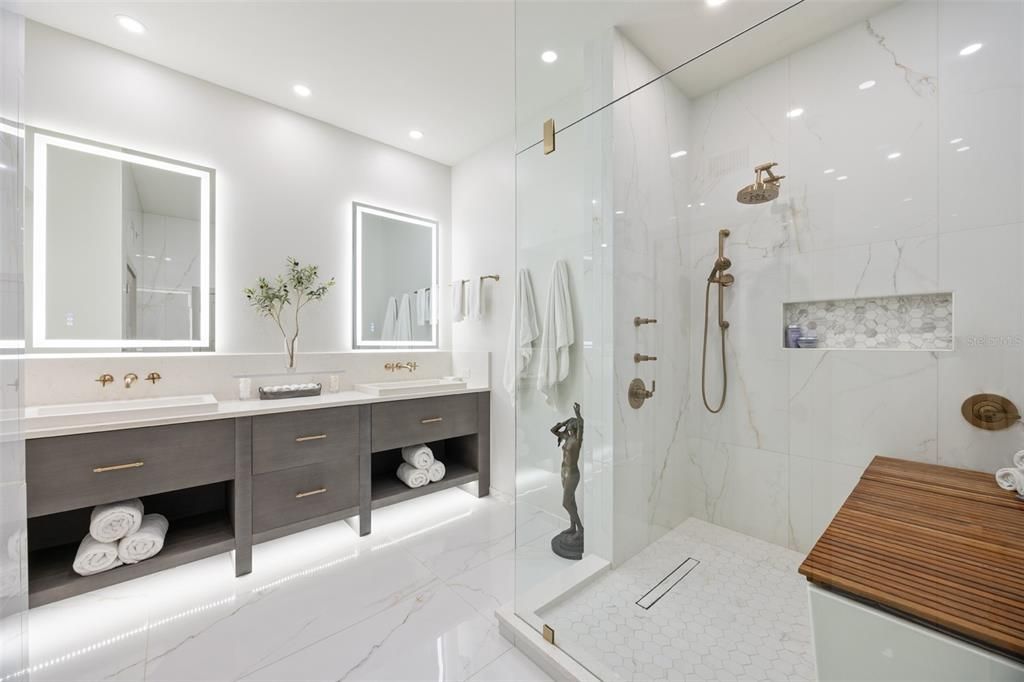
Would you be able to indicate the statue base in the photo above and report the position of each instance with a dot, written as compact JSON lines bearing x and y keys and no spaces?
{"x":568,"y":545}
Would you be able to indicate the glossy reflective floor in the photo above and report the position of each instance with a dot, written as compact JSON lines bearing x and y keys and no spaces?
{"x":413,"y":601}
{"x":740,"y":613}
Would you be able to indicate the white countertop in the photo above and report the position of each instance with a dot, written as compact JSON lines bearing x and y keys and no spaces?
{"x":230,"y":409}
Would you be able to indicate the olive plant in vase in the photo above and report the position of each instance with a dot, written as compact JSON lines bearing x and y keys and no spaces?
{"x":283,"y":299}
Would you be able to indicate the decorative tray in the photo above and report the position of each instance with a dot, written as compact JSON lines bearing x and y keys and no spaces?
{"x":289,"y":391}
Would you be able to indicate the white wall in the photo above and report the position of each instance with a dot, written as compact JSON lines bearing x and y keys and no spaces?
{"x":285,"y":183}
{"x":484,"y":243}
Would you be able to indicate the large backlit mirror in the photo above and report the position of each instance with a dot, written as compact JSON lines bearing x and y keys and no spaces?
{"x":395,"y":297}
{"x":121,"y":248}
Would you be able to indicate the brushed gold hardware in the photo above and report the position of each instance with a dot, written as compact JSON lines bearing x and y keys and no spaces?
{"x":130,"y":378}
{"x":496,"y":278}
{"x":722,"y":279}
{"x":549,"y":634}
{"x":304,"y":439}
{"x":638,"y":393}
{"x":640,"y":321}
{"x":763,"y":190}
{"x":990,"y":412}
{"x":118,"y":467}
{"x":549,"y":136}
{"x":638,"y":358}
{"x":432,"y":420}
{"x":395,"y":366}
{"x":153,"y":377}
{"x":105,"y":379}
{"x":310,"y":493}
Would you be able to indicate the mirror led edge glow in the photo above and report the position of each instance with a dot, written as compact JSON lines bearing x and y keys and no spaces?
{"x":39,"y":340}
{"x":359,"y":209}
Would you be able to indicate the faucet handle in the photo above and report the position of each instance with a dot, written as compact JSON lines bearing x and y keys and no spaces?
{"x":153,"y":377}
{"x":105,"y":379}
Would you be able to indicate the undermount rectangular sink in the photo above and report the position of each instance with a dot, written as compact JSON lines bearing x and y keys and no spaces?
{"x":411,"y":386}
{"x":74,"y":414}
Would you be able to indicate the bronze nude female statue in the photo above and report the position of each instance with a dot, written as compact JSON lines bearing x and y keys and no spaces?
{"x":569,"y":543}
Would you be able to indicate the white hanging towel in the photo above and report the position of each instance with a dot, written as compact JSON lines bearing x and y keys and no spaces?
{"x":458,"y":308}
{"x":474,"y":299}
{"x":403,"y":325}
{"x":558,"y":334}
{"x":523,"y":334}
{"x":423,"y":307}
{"x":387,"y":331}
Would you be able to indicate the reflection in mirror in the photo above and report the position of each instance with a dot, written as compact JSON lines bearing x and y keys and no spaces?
{"x":11,"y":282}
{"x":121,"y":248}
{"x":396,"y":289}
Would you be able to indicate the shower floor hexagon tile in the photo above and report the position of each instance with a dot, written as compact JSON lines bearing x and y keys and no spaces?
{"x":741,"y":614}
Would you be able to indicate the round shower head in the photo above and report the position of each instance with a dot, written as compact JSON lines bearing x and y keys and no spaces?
{"x":758,"y":193}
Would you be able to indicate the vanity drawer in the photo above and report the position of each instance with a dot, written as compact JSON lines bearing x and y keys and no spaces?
{"x":280,"y":498}
{"x":408,"y":422}
{"x":291,"y":439}
{"x":69,"y":472}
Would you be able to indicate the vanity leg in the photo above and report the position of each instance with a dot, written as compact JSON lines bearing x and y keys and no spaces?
{"x":242,"y":502}
{"x":365,"y":470}
{"x":483,"y":443}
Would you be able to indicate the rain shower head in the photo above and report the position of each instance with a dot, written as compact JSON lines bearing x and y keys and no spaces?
{"x":764,"y":189}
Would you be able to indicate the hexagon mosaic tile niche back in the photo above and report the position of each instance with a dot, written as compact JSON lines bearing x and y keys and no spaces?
{"x":920,"y":322}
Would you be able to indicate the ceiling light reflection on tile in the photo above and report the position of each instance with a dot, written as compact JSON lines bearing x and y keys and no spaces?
{"x":795,"y":113}
{"x":415,"y":135}
{"x":678,"y":154}
{"x":894,"y":155}
{"x":866,"y":85}
{"x":130,"y":24}
{"x":970,"y":49}
{"x":301,"y":90}
{"x":549,"y":56}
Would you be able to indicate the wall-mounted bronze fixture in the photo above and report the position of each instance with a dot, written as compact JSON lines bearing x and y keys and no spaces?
{"x":130,"y":378}
{"x":638,"y":358}
{"x":639,"y":321}
{"x":549,"y":136}
{"x":721,"y":279}
{"x":153,"y":377}
{"x":638,"y":393}
{"x":990,"y":412}
{"x":395,"y":366}
{"x":105,"y":379}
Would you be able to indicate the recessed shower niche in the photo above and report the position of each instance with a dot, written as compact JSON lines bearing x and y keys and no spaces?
{"x":907,"y":322}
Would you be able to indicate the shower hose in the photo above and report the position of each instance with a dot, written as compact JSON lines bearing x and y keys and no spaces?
{"x":704,"y":357}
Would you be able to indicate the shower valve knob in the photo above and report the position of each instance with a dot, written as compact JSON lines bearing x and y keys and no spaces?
{"x":639,"y":321}
{"x":638,"y":393}
{"x":638,"y":358}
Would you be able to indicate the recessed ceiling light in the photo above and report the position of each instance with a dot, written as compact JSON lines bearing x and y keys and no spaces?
{"x":894,"y":155}
{"x":549,"y":56}
{"x":702,"y":203}
{"x":830,"y":171}
{"x":167,"y":258}
{"x":604,"y":246}
{"x":970,"y":49}
{"x":301,"y":90}
{"x":689,"y":206}
{"x":619,"y":212}
{"x":676,"y":155}
{"x":415,"y":134}
{"x":866,"y":84}
{"x":956,"y":140}
{"x":795,"y":113}
{"x":714,"y":3}
{"x":963,"y":149}
{"x":130,"y":24}
{"x":842,"y":177}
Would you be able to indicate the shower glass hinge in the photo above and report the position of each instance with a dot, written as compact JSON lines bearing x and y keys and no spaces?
{"x":549,"y":136}
{"x":549,"y":634}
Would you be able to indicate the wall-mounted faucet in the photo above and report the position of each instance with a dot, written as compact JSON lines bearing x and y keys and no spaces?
{"x":639,"y":357}
{"x":395,"y":366}
{"x":105,"y":379}
{"x":130,"y":378}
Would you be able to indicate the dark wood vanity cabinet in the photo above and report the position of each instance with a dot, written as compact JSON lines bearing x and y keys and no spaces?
{"x":227,"y":483}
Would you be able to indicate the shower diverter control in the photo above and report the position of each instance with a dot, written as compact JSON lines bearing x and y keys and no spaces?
{"x":638,"y":393}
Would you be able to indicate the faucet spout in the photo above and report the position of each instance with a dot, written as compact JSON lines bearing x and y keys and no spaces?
{"x":130,"y":378}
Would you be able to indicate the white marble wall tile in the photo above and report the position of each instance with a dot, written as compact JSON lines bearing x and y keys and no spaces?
{"x":848,"y":406}
{"x":13,"y":549}
{"x":816,"y":491}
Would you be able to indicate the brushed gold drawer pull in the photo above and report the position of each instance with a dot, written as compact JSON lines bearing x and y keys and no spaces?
{"x":303,"y":439}
{"x":118,"y":467}
{"x":432,"y":420}
{"x":318,"y":491}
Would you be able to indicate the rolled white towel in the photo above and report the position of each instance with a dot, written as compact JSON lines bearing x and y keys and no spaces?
{"x":1018,"y":459}
{"x":420,"y":456}
{"x":146,"y":542}
{"x":111,"y":522}
{"x":436,"y":471}
{"x":1011,"y":478}
{"x":411,"y":476}
{"x":95,"y":557}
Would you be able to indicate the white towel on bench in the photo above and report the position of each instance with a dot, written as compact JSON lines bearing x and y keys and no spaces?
{"x":411,"y":476}
{"x":420,"y":456}
{"x":95,"y":557}
{"x":146,"y":542}
{"x":111,"y":522}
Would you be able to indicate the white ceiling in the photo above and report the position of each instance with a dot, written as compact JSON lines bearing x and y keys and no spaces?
{"x":446,"y":67}
{"x":166,"y":193}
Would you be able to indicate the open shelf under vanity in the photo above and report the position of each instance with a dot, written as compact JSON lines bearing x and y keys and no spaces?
{"x":460,"y":458}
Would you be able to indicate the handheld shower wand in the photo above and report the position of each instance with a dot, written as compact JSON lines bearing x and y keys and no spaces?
{"x":722,"y":279}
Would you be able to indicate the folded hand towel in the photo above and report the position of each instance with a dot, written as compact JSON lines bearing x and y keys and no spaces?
{"x":111,"y":522}
{"x":525,"y":330}
{"x":458,"y":306}
{"x":1018,"y":459}
{"x":419,"y":456}
{"x":474,"y":299}
{"x":558,"y":334}
{"x":403,"y":324}
{"x":387,"y":329}
{"x":1011,"y":478}
{"x":95,"y":557}
{"x":411,"y":476}
{"x":436,"y":471}
{"x":146,"y":542}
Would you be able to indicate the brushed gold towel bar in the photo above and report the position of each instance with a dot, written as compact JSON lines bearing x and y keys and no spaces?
{"x":496,"y":278}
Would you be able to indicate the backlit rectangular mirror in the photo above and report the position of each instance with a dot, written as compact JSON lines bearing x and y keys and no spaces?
{"x":395,"y":294}
{"x":122,"y":248}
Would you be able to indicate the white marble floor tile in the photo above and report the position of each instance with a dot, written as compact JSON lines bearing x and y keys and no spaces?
{"x":488,"y":586}
{"x":512,"y":666}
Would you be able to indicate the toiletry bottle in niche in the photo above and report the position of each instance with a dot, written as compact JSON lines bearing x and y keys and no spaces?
{"x":793,"y":334}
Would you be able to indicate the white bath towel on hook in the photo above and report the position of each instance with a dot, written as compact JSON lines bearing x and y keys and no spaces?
{"x":558,"y":335}
{"x":525,"y":330}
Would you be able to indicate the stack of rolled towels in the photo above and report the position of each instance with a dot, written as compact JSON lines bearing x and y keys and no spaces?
{"x":119,"y":533}
{"x":1012,"y":478}
{"x":419,"y":467}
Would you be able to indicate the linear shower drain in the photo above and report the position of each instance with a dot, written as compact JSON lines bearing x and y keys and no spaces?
{"x":667,"y":583}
